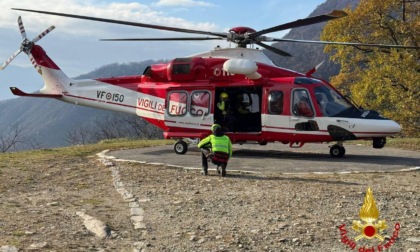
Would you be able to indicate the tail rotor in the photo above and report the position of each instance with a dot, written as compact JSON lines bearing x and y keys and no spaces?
{"x":10,"y":59}
{"x":26,"y":44}
{"x":21,"y":28}
{"x":41,"y":35}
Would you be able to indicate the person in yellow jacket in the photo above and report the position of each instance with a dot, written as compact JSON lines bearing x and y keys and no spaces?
{"x":217,"y":147}
{"x":223,"y":104}
{"x":226,"y":118}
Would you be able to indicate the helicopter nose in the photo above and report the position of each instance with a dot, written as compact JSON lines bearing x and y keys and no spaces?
{"x":382,"y":128}
{"x":391,"y":127}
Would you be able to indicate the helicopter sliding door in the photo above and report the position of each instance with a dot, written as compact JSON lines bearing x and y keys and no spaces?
{"x":238,"y":109}
{"x":275,"y":118}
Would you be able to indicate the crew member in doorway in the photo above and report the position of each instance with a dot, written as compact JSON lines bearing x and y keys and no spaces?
{"x":242,"y":104}
{"x":242,"y":116}
{"x":217,"y":147}
{"x":223,"y":105}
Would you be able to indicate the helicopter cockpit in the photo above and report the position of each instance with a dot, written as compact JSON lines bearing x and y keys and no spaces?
{"x":330,"y":102}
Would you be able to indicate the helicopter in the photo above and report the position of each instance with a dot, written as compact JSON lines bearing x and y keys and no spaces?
{"x":266,"y":103}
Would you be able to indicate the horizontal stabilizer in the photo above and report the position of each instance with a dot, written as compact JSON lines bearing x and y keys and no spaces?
{"x":18,"y":92}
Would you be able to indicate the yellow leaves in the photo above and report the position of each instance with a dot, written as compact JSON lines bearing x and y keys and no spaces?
{"x":387,"y":80}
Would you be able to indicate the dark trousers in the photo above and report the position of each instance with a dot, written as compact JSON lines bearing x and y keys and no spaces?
{"x":205,"y":155}
{"x":204,"y":162}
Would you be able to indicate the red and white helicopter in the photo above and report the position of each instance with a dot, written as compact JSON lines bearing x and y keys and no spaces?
{"x":181,"y":96}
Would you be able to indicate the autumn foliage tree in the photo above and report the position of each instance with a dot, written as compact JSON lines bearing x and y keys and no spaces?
{"x":386,"y":80}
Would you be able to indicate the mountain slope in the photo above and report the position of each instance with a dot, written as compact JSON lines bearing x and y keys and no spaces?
{"x":307,"y":56}
{"x":48,"y":121}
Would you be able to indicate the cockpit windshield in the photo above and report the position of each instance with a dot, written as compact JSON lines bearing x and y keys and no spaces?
{"x":330,"y":102}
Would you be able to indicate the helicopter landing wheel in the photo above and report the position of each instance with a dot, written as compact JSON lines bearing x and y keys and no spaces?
{"x":180,"y":147}
{"x":337,"y":151}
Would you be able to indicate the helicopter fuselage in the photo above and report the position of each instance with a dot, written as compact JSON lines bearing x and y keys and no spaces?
{"x":180,"y":97}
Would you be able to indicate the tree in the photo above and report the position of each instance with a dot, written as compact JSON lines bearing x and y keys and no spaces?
{"x":386,"y":80}
{"x":15,"y":139}
{"x":116,"y":125}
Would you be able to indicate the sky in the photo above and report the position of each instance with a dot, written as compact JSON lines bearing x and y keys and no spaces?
{"x":75,"y":47}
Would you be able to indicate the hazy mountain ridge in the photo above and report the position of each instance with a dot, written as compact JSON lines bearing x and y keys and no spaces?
{"x":115,"y":69}
{"x":49,"y":121}
{"x":306,"y":56}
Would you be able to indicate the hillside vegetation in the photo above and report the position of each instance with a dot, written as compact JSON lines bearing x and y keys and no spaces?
{"x":385,"y":80}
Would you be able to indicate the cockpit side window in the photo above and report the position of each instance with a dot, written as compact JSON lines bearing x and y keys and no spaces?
{"x":301,"y":103}
{"x":330,"y":102}
{"x":275,"y":101}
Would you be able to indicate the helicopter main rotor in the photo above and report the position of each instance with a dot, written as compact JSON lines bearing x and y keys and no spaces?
{"x":242,"y":36}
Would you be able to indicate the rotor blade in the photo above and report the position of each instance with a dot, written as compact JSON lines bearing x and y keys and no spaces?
{"x":164,"y":39}
{"x":158,"y":27}
{"x":342,"y":43}
{"x":7,"y":62}
{"x":41,"y":35}
{"x":273,"y":49}
{"x":21,"y":27}
{"x":301,"y":22}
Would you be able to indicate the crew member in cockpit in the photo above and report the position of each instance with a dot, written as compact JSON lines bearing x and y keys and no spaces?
{"x":302,"y":105}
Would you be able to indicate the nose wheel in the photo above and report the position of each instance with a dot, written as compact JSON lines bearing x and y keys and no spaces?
{"x":337,"y":150}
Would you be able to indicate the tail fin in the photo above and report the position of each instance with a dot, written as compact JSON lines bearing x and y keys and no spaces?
{"x":55,"y":80}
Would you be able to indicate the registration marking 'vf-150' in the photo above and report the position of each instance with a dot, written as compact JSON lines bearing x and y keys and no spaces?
{"x":109,"y":96}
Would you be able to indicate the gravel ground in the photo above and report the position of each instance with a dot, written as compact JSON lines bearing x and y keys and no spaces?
{"x":156,"y":208}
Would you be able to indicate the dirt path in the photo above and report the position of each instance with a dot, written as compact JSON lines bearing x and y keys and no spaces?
{"x":155,"y":208}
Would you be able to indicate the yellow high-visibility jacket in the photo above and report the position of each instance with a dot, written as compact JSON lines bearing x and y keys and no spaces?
{"x":222,"y":106}
{"x":218,"y":144}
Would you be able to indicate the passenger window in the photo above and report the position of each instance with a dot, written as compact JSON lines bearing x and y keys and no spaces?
{"x":275,"y":101}
{"x":200,"y":103}
{"x":301,"y":103}
{"x":177,"y":103}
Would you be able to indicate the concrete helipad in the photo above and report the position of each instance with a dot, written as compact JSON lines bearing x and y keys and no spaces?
{"x":276,"y":157}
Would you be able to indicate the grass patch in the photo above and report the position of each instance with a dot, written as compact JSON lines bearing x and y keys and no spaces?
{"x":82,"y":186}
{"x":94,"y":202}
{"x":19,"y":159}
{"x":404,"y":143}
{"x":18,"y":233}
{"x":412,"y":144}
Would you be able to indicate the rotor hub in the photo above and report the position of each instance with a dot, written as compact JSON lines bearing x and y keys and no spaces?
{"x":241,"y":30}
{"x":26,"y":45}
{"x":239,"y":35}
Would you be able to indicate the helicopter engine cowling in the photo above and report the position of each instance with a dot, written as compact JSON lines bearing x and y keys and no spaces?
{"x":242,"y":66}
